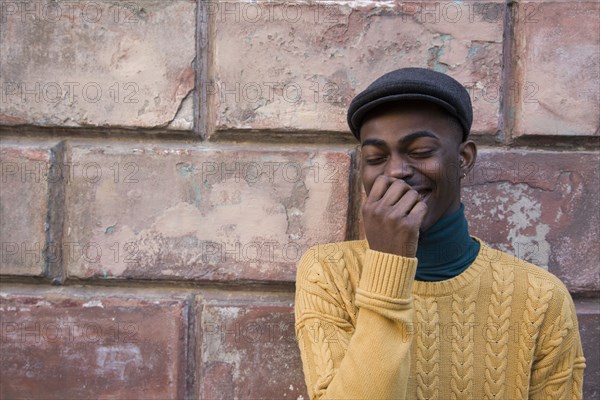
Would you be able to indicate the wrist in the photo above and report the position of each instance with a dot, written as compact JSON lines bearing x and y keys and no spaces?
{"x":387,"y":274}
{"x":404,"y":250}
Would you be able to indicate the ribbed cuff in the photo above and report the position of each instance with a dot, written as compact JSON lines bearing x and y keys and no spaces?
{"x":387,"y":275}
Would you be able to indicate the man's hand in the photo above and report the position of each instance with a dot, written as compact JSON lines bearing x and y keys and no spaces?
{"x":392,"y":216}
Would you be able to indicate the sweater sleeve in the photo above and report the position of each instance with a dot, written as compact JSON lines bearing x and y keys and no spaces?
{"x":355,"y":359}
{"x":557,"y":370}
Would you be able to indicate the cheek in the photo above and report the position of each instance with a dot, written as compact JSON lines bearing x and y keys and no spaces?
{"x":442,"y":173}
{"x":366,"y":184}
{"x":367,"y":179}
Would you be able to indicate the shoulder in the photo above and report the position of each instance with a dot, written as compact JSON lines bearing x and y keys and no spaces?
{"x":530,"y":276}
{"x":326,"y":281}
{"x":331,"y":253}
{"x":323,"y":263}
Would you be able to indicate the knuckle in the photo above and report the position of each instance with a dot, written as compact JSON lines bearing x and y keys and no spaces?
{"x":401,"y":183}
{"x":382,"y":178}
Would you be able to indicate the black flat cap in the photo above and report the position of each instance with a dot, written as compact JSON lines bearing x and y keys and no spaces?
{"x":413,"y":84}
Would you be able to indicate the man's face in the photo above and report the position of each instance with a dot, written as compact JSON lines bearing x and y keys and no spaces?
{"x":421,"y":144}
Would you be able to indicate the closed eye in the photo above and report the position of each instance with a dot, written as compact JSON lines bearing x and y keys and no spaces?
{"x":375,"y":160}
{"x":422,"y":153}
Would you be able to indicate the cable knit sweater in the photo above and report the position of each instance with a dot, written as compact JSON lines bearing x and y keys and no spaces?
{"x":502,"y":329}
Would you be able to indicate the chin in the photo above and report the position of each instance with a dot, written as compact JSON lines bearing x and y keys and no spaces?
{"x":433,"y":215}
{"x":427,"y":223}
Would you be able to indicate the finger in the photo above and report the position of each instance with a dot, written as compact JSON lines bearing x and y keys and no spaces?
{"x":380,"y":186}
{"x":406,"y":203}
{"x":419,"y":211}
{"x":396,"y":193}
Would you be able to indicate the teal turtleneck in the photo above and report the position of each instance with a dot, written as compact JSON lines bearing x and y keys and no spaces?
{"x":446,"y":249}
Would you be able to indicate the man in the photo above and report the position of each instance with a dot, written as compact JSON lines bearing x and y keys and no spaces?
{"x":421,"y":309}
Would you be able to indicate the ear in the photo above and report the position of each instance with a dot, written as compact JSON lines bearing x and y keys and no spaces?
{"x":468,"y":155}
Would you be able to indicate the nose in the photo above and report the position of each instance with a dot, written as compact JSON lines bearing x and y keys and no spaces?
{"x":397,"y":167}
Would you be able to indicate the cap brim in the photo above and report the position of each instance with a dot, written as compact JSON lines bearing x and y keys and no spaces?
{"x":362,"y":111}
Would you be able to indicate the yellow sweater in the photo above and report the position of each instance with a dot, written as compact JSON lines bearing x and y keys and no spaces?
{"x":502,"y":329}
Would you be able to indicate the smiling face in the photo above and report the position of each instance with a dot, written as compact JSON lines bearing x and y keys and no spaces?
{"x":420,"y":143}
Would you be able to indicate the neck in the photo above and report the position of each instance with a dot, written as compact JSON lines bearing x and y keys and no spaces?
{"x":446,"y":249}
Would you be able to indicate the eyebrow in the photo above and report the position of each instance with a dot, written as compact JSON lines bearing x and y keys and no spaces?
{"x":403,"y":142}
{"x":374,"y":142}
{"x":415,"y":135}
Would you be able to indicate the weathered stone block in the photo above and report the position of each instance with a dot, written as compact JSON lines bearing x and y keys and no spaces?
{"x":97,"y":63}
{"x":559,"y":93}
{"x":319,"y":55}
{"x":540,"y":206}
{"x":248,"y":349}
{"x":227,"y":213}
{"x":27,"y":173}
{"x":71,"y":345}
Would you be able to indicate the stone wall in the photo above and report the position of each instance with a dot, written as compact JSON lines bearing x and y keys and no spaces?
{"x":166,"y":162}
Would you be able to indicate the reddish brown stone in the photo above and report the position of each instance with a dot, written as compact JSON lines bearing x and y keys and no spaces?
{"x":27,"y":173}
{"x":324,"y":54}
{"x":65,"y":345}
{"x":247,"y":347}
{"x":558,"y":88}
{"x":97,"y":63}
{"x":540,"y":206}
{"x":588,"y":316}
{"x":159,"y":212}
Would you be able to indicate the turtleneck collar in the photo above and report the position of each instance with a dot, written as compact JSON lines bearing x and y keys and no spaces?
{"x":446,"y":249}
